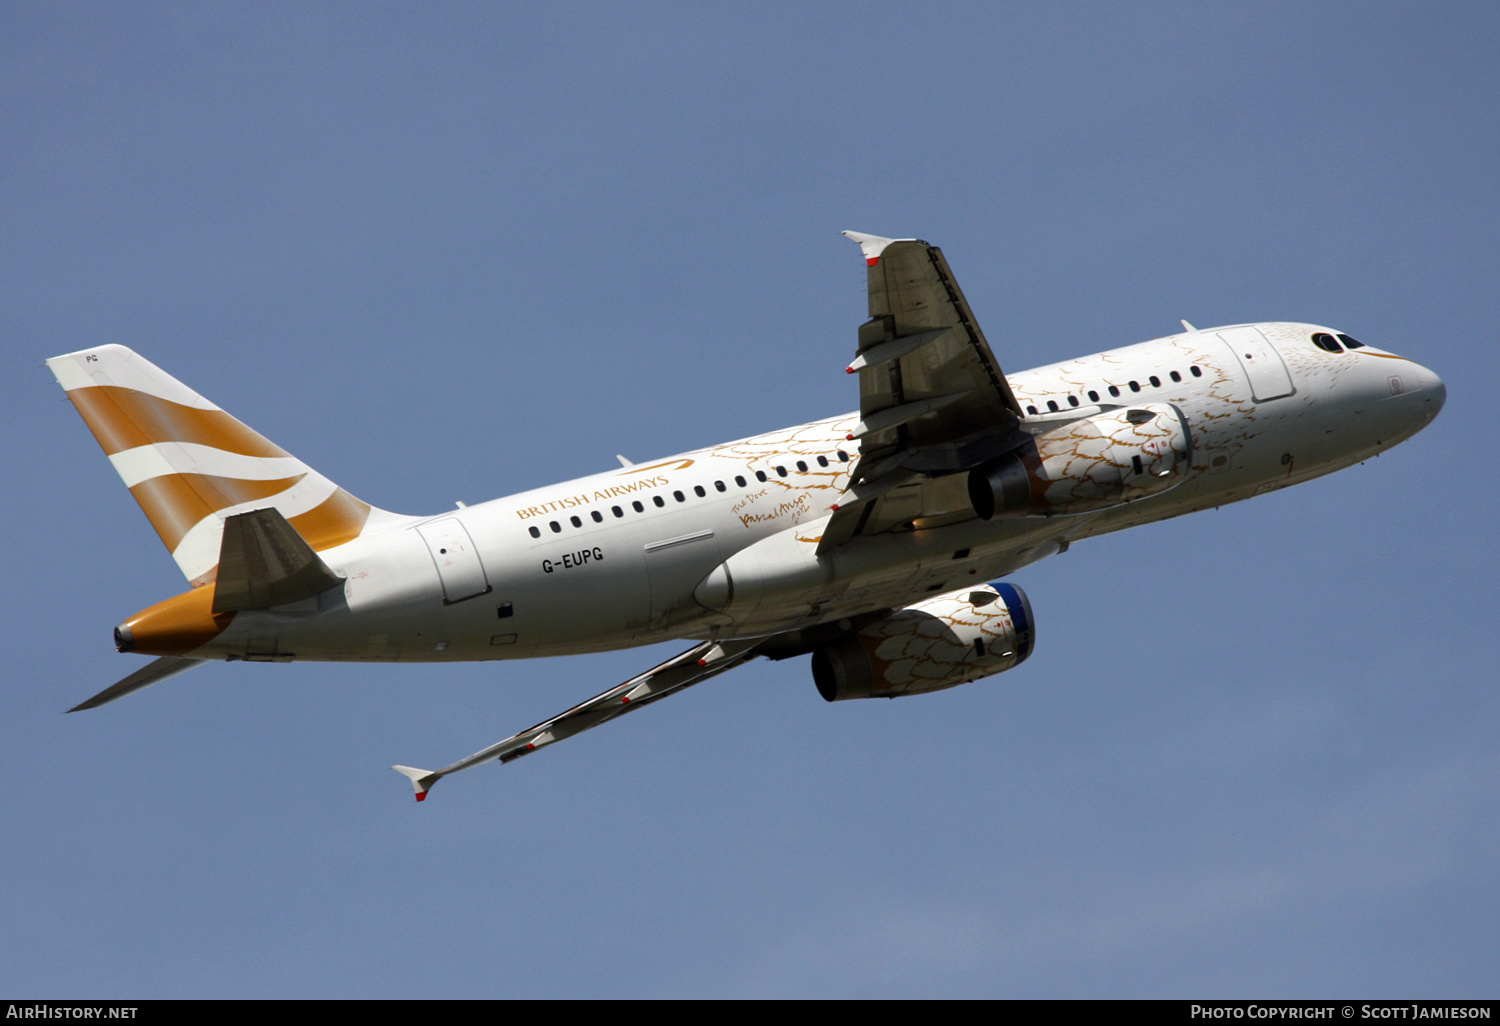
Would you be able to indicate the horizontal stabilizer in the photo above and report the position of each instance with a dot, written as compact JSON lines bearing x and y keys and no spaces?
{"x":151,"y":673}
{"x":264,"y":562}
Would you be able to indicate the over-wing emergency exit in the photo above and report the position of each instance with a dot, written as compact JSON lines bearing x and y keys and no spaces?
{"x":875,"y":542}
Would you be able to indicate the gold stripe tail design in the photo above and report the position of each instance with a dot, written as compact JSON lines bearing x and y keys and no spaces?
{"x":190,"y":465}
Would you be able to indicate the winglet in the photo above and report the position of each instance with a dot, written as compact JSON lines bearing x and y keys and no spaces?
{"x":421,"y":780}
{"x":871,"y":245}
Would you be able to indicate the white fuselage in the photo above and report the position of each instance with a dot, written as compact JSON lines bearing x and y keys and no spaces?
{"x":614,"y":560}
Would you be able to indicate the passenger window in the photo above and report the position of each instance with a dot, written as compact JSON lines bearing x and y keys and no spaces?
{"x":1072,"y":400}
{"x":1176,"y":376}
{"x":760,"y":475}
{"x":1093,"y":396}
{"x":679,"y":497}
{"x":1196,"y":372}
{"x":617,"y":511}
{"x":781,"y":472}
{"x":1051,"y":405}
{"x":534,"y":532}
{"x":719,"y":486}
{"x":1135,"y":386}
{"x":822,"y":461}
{"x":843,"y":456}
{"x":556,"y":527}
{"x":575,"y":521}
{"x":1325,"y":341}
{"x":1114,"y":390}
{"x":740,"y":481}
{"x":1031,"y":410}
{"x":598,"y":517}
{"x":801,"y":467}
{"x":1351,"y":343}
{"x":698,"y":491}
{"x":636,"y":505}
{"x":658,"y":500}
{"x":1155,"y":381}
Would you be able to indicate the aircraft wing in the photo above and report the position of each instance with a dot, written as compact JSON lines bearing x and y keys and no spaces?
{"x":697,"y":664}
{"x":933,"y":400}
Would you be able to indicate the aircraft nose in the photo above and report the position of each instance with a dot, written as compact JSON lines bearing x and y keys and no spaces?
{"x":1430,"y":390}
{"x":1414,"y":398}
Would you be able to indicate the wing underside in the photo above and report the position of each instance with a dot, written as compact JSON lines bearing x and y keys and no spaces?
{"x":933,"y":401}
{"x":697,"y":664}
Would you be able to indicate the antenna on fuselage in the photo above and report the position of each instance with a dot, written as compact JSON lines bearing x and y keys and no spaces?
{"x":1188,"y":326}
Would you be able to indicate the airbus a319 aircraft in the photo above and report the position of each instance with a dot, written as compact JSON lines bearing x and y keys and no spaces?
{"x":865,"y":540}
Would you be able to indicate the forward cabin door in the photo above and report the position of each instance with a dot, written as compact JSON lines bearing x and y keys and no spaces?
{"x":457,"y":560}
{"x":1263,"y":365}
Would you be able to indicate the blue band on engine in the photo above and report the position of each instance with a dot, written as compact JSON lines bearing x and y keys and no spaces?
{"x":1014,"y":603}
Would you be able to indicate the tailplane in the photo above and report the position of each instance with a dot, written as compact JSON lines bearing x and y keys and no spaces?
{"x":191,"y":466}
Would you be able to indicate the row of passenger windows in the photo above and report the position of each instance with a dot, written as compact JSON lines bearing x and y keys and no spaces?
{"x":1323,"y":340}
{"x":1114,"y":391}
{"x":656,"y":500}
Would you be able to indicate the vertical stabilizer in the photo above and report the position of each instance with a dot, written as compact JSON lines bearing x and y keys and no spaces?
{"x":190,"y":465}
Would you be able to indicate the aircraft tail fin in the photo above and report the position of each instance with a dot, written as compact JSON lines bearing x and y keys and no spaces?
{"x":191,"y":466}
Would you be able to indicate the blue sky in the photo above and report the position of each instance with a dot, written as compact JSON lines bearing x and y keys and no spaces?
{"x":447,"y":252}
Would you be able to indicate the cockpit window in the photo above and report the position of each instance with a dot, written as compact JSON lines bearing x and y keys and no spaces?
{"x":1323,"y":340}
{"x":1350,"y":342}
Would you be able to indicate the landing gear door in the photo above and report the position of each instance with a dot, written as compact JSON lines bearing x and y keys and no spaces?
{"x":457,"y":560}
{"x":1263,"y":365}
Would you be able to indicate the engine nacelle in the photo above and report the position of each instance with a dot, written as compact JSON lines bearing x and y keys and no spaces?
{"x":938,"y":643}
{"x":1088,"y":464}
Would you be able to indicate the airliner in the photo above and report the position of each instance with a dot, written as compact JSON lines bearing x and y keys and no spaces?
{"x":877,"y":542}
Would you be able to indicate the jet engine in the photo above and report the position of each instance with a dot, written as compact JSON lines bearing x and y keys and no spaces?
{"x":938,"y":643}
{"x":1087,"y":464}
